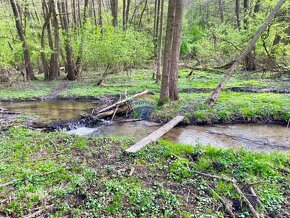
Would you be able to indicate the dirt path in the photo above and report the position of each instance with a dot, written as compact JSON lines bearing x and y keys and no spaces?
{"x":55,"y":93}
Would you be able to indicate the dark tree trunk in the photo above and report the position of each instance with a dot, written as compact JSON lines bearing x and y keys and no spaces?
{"x":238,"y":13}
{"x":240,"y":59}
{"x":114,"y":9}
{"x":20,"y":31}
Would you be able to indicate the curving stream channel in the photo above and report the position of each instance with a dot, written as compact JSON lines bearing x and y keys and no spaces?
{"x":266,"y":138}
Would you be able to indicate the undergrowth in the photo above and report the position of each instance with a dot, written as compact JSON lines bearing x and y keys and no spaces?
{"x":59,"y":175}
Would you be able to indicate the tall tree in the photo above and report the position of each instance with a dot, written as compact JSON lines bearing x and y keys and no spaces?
{"x":171,"y":54}
{"x":238,"y":12}
{"x":21,"y":34}
{"x":221,"y":10}
{"x":54,"y":64}
{"x":114,"y":10}
{"x":173,"y":78}
{"x":240,"y":59}
{"x":160,"y":43}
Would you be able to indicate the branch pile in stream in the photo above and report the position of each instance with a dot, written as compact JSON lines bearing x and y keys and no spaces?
{"x":111,"y":107}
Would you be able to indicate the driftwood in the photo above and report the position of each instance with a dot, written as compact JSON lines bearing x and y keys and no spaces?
{"x":112,"y":112}
{"x":124,"y":101}
{"x":155,"y":135}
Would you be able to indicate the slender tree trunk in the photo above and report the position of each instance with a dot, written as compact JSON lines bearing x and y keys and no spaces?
{"x":164,"y":92}
{"x":142,"y":13}
{"x":221,"y":10}
{"x":159,"y":46}
{"x":173,"y":79}
{"x":47,"y":17}
{"x":20,"y":31}
{"x":80,"y":53}
{"x":124,"y":14}
{"x":243,"y":55}
{"x":114,"y":9}
{"x":54,"y":64}
{"x":127,"y":12}
{"x":238,"y":13}
{"x":69,"y":66}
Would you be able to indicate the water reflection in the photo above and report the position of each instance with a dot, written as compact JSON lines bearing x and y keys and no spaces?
{"x":50,"y":110}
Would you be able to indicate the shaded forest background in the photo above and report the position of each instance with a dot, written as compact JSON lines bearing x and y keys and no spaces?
{"x":107,"y":36}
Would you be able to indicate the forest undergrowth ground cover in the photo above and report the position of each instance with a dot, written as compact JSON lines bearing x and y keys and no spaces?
{"x":58,"y":175}
{"x":249,"y":97}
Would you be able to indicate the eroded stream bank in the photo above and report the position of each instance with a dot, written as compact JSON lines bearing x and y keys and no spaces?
{"x":265,"y":138}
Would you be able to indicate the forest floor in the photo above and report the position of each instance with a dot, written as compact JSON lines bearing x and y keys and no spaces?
{"x":59,"y":175}
{"x":69,"y":176}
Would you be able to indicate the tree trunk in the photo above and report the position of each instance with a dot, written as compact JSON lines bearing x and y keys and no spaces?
{"x":173,"y":79}
{"x":249,"y":59}
{"x":114,"y":10}
{"x":69,"y":66}
{"x":164,"y":92}
{"x":243,"y":55}
{"x":54,"y":65}
{"x":221,"y":10}
{"x":47,"y":17}
{"x":80,"y":53}
{"x":26,"y":52}
{"x":238,"y":13}
{"x":142,"y":13}
{"x":159,"y":47}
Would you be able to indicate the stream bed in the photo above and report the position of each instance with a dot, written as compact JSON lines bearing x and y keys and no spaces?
{"x":266,"y":138}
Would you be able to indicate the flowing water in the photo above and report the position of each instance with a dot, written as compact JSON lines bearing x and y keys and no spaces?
{"x":266,"y":138}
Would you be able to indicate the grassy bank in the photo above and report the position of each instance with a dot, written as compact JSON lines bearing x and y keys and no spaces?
{"x":231,"y":106}
{"x":62,"y":175}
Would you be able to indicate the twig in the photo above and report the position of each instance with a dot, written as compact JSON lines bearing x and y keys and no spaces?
{"x":226,"y":205}
{"x":132,"y":171}
{"x":37,"y":213}
{"x":233,"y":181}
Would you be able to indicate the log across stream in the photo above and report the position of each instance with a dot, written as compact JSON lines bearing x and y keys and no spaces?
{"x":266,"y":138}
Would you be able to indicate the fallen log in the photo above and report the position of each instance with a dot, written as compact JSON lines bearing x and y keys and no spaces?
{"x":124,"y":101}
{"x":111,"y":112}
{"x":155,"y":135}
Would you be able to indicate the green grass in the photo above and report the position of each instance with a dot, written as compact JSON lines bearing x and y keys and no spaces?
{"x":230,"y":107}
{"x":61,"y":175}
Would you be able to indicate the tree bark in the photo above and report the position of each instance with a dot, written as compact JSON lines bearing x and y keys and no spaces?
{"x":246,"y":51}
{"x":69,"y":66}
{"x":221,"y":10}
{"x":238,"y":13}
{"x":54,"y":64}
{"x":159,"y":47}
{"x":20,"y":31}
{"x":173,"y":89}
{"x":164,"y":92}
{"x":114,"y":10}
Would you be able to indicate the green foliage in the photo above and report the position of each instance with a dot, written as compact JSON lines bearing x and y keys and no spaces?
{"x":113,"y":48}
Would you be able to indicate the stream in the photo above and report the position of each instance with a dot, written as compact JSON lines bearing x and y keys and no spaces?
{"x":266,"y":138}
